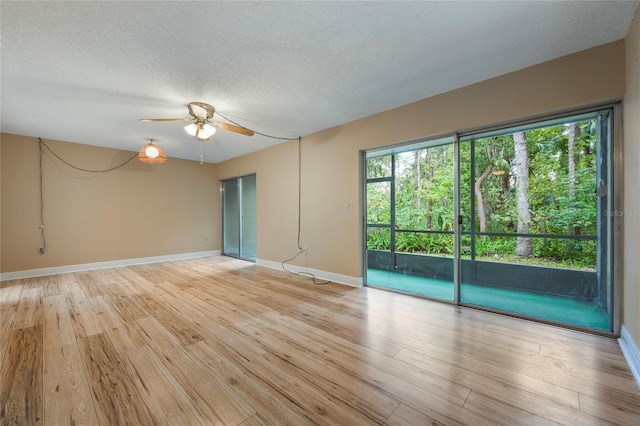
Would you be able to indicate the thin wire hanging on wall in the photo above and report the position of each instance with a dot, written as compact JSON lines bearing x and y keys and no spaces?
{"x":300,"y":248}
{"x":42,"y":146}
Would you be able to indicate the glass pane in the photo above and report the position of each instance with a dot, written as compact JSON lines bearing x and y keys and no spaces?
{"x":230,"y":219}
{"x":248,"y":196}
{"x":424,"y":189}
{"x":378,"y":167}
{"x":537,"y":182}
{"x":425,"y":243}
{"x":548,"y":252}
{"x":422,"y":200}
{"x":568,"y":291}
{"x":378,"y":239}
{"x":379,"y":203}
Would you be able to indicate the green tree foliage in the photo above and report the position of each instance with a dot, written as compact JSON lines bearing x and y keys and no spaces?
{"x":560,"y":203}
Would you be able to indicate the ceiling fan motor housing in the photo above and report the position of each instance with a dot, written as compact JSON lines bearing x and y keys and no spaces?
{"x":201,"y":110}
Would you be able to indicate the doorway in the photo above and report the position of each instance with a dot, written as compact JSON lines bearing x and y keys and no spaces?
{"x":239,"y":222}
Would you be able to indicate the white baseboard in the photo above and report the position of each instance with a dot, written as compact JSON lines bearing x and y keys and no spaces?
{"x":321,"y":275}
{"x":631,"y":353}
{"x":31,"y":273}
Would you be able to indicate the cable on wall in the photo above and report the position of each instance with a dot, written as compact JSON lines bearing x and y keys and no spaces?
{"x":300,"y":248}
{"x":80,"y":168}
{"x":43,"y":241}
{"x":42,"y":146}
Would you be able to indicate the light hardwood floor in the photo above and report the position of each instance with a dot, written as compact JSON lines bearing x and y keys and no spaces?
{"x":222,"y":341}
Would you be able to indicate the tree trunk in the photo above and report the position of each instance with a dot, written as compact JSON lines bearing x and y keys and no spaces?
{"x":418,"y":175}
{"x":432,"y":162}
{"x":574,"y":134}
{"x":523,"y":244}
{"x":479,"y":198}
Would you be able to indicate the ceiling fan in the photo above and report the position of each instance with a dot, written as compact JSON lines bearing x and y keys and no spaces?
{"x":201,"y":125}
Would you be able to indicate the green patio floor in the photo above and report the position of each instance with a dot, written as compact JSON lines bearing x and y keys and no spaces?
{"x":547,"y":307}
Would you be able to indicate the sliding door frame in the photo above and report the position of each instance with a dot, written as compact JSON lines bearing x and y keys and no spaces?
{"x":615,"y":207}
{"x":239,"y":195}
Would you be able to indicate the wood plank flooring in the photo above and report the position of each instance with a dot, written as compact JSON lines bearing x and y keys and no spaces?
{"x":222,"y":341}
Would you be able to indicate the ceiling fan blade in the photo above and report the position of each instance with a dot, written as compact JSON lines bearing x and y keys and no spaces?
{"x":232,"y":128}
{"x":147,"y":120}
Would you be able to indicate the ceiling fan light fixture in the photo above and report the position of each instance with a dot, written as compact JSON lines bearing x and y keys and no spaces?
{"x":192,"y":129}
{"x":207,"y":130}
{"x":202,"y":131}
{"x":152,"y":154}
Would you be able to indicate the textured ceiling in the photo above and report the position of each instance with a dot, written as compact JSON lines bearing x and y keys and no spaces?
{"x":86,"y":72}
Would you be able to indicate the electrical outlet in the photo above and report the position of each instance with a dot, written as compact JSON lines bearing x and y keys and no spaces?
{"x":206,"y":238}
{"x":346,"y":208}
{"x":41,"y":250}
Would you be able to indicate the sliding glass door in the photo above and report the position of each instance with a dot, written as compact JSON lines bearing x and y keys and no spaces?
{"x":410,"y":211}
{"x":530,"y":234}
{"x":535,"y":233}
{"x":239,"y":217}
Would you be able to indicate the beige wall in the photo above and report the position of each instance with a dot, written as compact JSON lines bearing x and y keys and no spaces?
{"x":330,"y":159}
{"x":1,"y":203}
{"x":276,"y":172}
{"x":140,"y":210}
{"x":631,"y":118}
